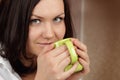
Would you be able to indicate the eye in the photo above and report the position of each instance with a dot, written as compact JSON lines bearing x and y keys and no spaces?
{"x":35,"y":21}
{"x":58,"y":19}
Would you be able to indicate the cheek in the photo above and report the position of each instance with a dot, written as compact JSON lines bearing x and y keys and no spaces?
{"x":34,"y":33}
{"x":61,"y":32}
{"x":32,"y":37}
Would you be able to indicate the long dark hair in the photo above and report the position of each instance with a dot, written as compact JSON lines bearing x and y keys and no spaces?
{"x":14,"y":28}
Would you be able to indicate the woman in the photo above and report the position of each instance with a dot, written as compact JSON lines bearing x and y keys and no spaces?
{"x":28,"y":31}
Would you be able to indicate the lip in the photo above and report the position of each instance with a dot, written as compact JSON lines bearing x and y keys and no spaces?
{"x":45,"y":44}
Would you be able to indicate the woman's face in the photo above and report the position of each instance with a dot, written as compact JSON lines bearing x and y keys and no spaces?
{"x":46,"y":25}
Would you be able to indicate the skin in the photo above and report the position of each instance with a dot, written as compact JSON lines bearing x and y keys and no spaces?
{"x":46,"y":27}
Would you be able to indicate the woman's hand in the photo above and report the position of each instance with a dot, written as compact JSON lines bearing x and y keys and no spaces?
{"x":51,"y":63}
{"x":81,"y":50}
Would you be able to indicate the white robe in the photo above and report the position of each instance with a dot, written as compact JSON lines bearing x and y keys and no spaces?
{"x":6,"y":71}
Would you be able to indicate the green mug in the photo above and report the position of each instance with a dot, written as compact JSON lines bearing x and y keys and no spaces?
{"x":73,"y":55}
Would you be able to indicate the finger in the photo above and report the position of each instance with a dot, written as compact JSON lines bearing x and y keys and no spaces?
{"x":71,"y":71}
{"x":64,"y":63}
{"x":47,"y":49}
{"x":83,"y":55}
{"x":62,"y":56}
{"x":57,"y":51}
{"x":79,"y":44}
{"x":86,"y":66}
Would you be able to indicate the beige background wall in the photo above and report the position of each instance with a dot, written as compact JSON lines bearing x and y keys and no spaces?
{"x":102,"y":36}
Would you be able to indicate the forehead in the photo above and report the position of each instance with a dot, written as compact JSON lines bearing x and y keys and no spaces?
{"x":49,"y":7}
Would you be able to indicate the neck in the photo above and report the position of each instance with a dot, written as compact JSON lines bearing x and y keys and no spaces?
{"x":29,"y":76}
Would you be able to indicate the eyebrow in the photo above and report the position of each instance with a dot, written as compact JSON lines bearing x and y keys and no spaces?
{"x":42,"y":17}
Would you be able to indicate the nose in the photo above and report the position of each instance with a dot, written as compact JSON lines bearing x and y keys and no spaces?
{"x":48,"y":31}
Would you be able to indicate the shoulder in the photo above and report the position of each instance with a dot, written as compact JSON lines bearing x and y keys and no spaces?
{"x":6,"y":70}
